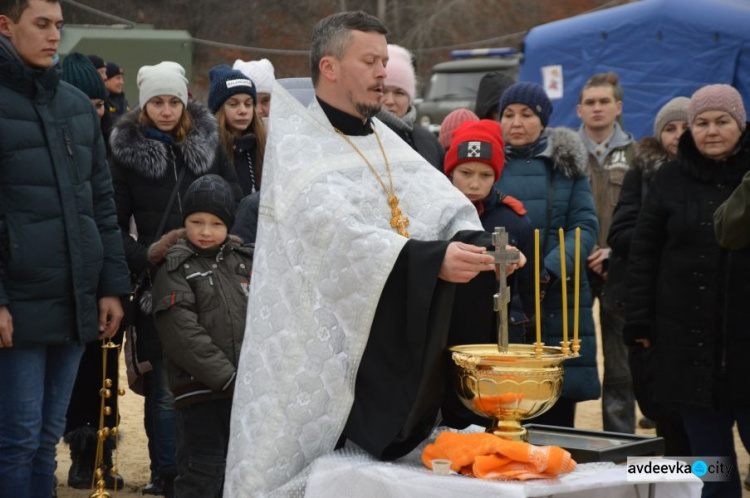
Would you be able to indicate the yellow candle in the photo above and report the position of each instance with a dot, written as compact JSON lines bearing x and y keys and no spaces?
{"x":537,"y":300}
{"x":564,"y":286}
{"x":576,"y":296}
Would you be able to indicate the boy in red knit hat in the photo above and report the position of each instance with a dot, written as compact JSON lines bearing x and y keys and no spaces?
{"x":474,"y":163}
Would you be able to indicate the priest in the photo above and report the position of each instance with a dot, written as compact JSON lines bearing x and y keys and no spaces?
{"x":361,"y":248}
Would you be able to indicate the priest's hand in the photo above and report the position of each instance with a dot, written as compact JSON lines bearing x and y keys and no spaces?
{"x":462,"y":262}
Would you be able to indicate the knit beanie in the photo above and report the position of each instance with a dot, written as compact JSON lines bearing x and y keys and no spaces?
{"x":452,"y":121}
{"x":97,"y":61}
{"x":78,"y":70}
{"x":165,"y":78}
{"x":226,"y":82}
{"x":531,"y":95}
{"x":210,"y":194}
{"x":260,"y":72}
{"x":401,"y":71}
{"x":718,"y":98}
{"x":674,"y":110}
{"x":477,"y":141}
{"x":113,"y":70}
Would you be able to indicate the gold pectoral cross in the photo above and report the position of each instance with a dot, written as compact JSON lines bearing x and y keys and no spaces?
{"x":398,"y":220}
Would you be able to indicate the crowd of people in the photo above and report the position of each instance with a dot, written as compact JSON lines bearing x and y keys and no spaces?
{"x":298,"y":272}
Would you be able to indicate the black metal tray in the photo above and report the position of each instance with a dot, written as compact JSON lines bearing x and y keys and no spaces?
{"x":595,"y":446}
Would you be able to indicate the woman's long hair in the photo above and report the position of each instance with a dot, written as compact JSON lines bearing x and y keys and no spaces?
{"x":181,"y":129}
{"x":256,"y":127}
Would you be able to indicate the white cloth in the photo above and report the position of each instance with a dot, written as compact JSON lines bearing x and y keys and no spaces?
{"x":324,"y":251}
{"x":352,"y":472}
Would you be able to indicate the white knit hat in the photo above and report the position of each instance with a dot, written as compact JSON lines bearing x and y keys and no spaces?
{"x":400,"y":70}
{"x":165,"y":78}
{"x":261,"y":72}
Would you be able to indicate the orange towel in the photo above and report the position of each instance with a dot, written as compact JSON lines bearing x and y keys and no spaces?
{"x":490,"y":457}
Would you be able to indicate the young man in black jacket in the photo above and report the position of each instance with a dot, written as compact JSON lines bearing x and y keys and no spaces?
{"x":62,"y":267}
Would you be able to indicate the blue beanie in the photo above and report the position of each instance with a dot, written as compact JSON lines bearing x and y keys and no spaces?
{"x":226,"y":82}
{"x":531,"y":95}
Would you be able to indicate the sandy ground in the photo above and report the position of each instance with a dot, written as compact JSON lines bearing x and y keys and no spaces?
{"x":133,"y":462}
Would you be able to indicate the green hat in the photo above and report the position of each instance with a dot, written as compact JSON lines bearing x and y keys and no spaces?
{"x":78,"y":70}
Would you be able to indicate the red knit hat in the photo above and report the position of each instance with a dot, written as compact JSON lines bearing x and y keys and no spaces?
{"x":477,"y":141}
{"x":452,"y":121}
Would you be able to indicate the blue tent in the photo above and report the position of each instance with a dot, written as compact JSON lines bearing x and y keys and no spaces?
{"x":660,"y":49}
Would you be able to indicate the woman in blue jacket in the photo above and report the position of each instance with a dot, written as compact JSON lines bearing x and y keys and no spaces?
{"x":545,"y":169}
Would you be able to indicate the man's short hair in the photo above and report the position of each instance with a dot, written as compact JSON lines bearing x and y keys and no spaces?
{"x":604,"y":79}
{"x":332,"y":36}
{"x":14,"y":8}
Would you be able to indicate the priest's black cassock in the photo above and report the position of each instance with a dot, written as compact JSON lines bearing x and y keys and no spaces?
{"x":403,"y":378}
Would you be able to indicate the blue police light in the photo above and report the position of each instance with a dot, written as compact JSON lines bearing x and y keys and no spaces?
{"x":483,"y":52}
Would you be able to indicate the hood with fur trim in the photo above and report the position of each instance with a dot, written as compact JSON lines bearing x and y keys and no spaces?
{"x":567,"y":152}
{"x":157,"y":253}
{"x":650,"y":155}
{"x":149,"y":158}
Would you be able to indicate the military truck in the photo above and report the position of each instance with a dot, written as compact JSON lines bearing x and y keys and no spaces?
{"x":453,"y":84}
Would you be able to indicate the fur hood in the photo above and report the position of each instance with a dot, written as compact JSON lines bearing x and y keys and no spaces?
{"x":649,"y":157}
{"x":157,"y":253}
{"x":567,"y":152}
{"x":149,"y":158}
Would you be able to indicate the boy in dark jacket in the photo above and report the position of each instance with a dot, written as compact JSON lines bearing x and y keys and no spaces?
{"x":200,"y":299}
{"x":474,"y":163}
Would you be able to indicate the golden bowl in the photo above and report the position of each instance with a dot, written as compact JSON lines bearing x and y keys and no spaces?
{"x":508,"y":387}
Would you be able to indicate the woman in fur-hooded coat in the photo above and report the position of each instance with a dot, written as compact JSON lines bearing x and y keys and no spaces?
{"x":546,"y":169}
{"x":145,"y":168}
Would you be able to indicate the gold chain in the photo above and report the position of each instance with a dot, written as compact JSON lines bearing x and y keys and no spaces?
{"x":398,"y":220}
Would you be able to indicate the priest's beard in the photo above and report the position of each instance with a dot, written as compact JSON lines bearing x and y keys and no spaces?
{"x":366,"y":110}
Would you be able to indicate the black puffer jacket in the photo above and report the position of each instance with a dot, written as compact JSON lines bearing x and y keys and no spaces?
{"x":418,"y":137}
{"x":60,"y":247}
{"x":688,"y":295}
{"x":200,"y":303}
{"x":144,"y":171}
{"x":649,"y":157}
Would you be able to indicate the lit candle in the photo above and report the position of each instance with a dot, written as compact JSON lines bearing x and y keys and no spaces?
{"x":576,"y":296}
{"x":537,"y":300}
{"x":564,"y":286}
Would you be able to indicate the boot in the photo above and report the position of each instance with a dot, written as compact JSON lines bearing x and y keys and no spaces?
{"x":154,"y":487}
{"x":112,"y":480}
{"x":168,"y":482}
{"x":82,"y":442}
